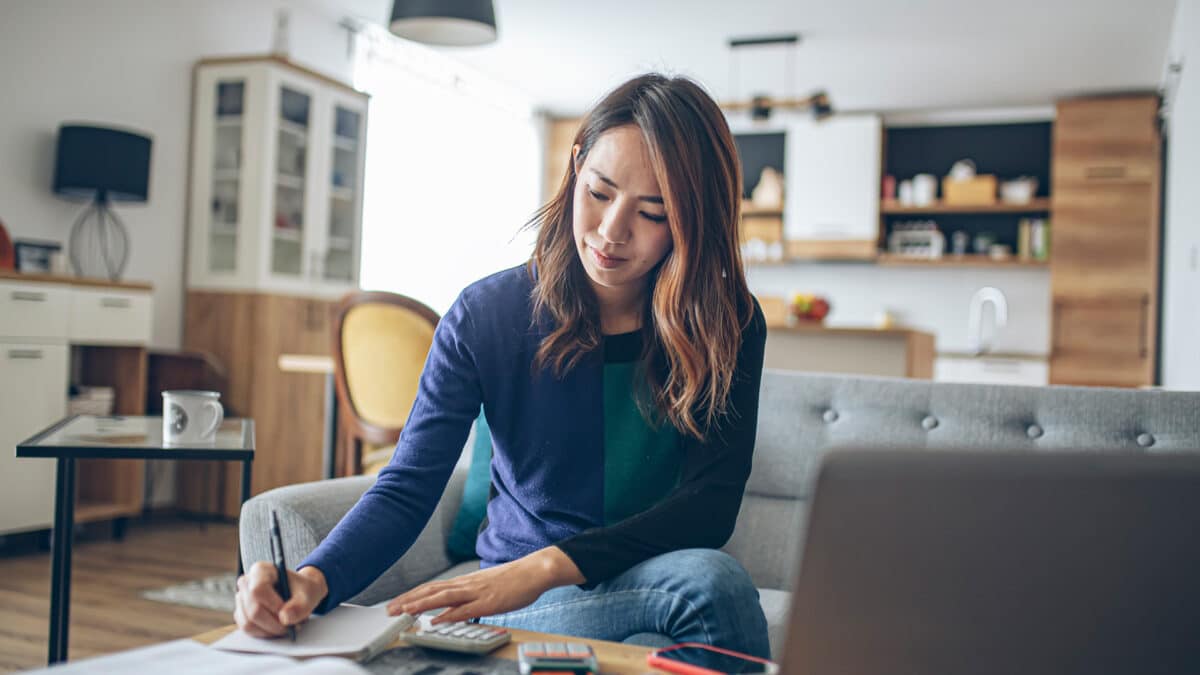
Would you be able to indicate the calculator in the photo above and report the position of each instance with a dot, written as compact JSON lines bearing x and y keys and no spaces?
{"x":463,"y":637}
{"x":570,"y":657}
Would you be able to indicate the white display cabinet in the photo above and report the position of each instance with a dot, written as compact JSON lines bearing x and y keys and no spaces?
{"x":276,"y":179}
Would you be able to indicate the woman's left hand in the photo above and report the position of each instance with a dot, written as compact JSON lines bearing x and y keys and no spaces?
{"x":495,"y":590}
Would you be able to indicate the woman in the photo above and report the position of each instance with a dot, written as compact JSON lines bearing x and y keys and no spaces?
{"x":619,"y":373}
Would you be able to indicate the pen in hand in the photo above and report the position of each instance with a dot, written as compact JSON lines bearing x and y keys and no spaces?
{"x":281,"y":582}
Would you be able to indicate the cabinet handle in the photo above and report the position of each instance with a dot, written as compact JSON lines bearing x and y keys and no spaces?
{"x":28,"y":296}
{"x":1143,"y":347}
{"x":118,"y":303}
{"x":32,"y":354}
{"x":1105,"y":172}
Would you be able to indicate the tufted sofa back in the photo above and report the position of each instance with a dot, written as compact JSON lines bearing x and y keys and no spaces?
{"x":802,"y":416}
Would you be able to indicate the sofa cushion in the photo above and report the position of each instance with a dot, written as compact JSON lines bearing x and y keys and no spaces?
{"x":775,"y":605}
{"x":460,"y":544}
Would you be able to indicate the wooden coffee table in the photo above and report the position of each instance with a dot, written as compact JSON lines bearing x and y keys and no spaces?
{"x":615,"y":658}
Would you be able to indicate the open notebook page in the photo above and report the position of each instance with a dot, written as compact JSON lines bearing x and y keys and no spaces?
{"x":350,"y":630}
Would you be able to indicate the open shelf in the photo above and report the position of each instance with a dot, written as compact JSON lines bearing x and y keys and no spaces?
{"x":1038,"y":205}
{"x":288,"y":234}
{"x":293,"y":129}
{"x":289,"y":181}
{"x":753,"y":212}
{"x":959,"y":261}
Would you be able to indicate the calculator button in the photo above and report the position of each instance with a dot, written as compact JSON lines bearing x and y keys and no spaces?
{"x":475,"y":633}
{"x":578,"y":650}
{"x":459,"y":632}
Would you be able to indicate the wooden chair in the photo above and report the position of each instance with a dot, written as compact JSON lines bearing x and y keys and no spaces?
{"x":380,"y":341}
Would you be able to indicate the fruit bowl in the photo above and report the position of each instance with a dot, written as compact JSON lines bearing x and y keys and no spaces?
{"x":810,"y":307}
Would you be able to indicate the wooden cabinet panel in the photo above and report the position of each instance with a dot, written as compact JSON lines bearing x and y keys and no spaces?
{"x":247,"y":332}
{"x":1102,"y":119}
{"x":1102,"y":342}
{"x":1107,"y":140}
{"x":1104,"y":239}
{"x":1105,"y":250}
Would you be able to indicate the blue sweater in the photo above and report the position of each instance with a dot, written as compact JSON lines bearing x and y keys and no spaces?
{"x":548,"y":455}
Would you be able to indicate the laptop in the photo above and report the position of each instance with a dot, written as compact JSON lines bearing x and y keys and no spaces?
{"x":973,"y":563}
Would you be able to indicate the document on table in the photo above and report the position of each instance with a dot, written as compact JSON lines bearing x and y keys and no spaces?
{"x":188,"y":657}
{"x":351,"y":631}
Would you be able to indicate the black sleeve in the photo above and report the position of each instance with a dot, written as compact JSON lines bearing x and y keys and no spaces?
{"x":701,"y":511}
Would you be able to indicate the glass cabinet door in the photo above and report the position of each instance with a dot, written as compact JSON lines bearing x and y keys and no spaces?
{"x":345,"y":186}
{"x":226,"y":175}
{"x":291,"y":168}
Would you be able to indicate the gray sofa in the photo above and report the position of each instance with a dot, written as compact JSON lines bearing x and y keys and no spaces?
{"x":801,"y":416}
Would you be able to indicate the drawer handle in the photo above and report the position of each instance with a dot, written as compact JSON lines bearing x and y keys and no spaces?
{"x":1105,"y":172}
{"x":119,"y":303}
{"x":28,"y":296}
{"x":33,"y":354}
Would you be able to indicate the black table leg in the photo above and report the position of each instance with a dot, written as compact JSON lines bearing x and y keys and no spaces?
{"x":60,"y":559}
{"x":246,"y":464}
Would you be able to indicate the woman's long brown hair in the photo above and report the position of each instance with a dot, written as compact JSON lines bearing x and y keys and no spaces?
{"x":698,"y":302}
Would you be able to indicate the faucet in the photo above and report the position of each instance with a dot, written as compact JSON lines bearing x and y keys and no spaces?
{"x":988,"y":294}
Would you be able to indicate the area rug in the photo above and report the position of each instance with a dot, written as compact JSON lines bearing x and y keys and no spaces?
{"x":211,"y":593}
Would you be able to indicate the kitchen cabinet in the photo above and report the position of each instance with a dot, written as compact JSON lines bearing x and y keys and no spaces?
{"x":275,"y":235}
{"x":992,"y":369}
{"x":54,"y":332}
{"x":277,"y":158}
{"x":1105,"y":241}
{"x":832,"y":174}
{"x":33,"y":379}
{"x":248,"y":332}
{"x":891,"y":352}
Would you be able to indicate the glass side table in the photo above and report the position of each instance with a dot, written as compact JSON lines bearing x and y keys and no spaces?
{"x":125,"y":437}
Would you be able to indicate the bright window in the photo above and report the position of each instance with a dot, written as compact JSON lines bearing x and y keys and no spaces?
{"x":453,"y":172}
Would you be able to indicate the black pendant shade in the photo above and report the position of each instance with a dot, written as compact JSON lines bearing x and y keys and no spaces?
{"x":454,"y":23}
{"x":102,"y":163}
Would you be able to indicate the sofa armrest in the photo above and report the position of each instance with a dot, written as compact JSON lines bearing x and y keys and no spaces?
{"x":309,"y":511}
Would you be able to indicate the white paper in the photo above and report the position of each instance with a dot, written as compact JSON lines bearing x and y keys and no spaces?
{"x":188,"y":657}
{"x":349,"y":629}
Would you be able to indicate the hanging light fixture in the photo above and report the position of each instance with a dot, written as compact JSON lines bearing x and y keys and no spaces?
{"x":452,"y":23}
{"x":760,"y":106}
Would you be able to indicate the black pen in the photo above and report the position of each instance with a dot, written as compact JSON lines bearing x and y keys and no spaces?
{"x":281,"y":584}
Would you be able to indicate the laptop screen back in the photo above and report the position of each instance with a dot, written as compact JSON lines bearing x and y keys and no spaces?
{"x":987,"y":562}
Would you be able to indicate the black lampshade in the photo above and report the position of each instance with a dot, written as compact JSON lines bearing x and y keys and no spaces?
{"x":454,"y":23}
{"x":102,"y":163}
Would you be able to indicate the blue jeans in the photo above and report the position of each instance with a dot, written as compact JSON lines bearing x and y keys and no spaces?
{"x":693,"y":595}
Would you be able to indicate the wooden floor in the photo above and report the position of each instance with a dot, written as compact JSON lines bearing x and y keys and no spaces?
{"x":107,"y":612}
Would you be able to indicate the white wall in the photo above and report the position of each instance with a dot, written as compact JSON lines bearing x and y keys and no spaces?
{"x":1181,"y":299}
{"x":127,"y":63}
{"x":929,"y":298}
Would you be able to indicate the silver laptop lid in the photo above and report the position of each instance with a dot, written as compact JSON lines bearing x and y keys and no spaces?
{"x":940,"y":562}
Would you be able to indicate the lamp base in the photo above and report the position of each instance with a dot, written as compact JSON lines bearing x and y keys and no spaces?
{"x":99,"y":242}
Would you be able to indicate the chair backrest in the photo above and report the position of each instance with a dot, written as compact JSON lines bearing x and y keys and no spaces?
{"x":380,"y":342}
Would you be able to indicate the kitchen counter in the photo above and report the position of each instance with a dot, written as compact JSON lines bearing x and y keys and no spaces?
{"x":813,"y":347}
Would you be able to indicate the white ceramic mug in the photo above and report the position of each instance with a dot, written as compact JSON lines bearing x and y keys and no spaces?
{"x":191,"y":416}
{"x":924,"y":189}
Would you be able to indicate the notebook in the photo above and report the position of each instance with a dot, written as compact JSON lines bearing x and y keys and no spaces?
{"x":351,"y":631}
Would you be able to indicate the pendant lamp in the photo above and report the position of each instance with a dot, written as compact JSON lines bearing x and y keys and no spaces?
{"x":452,"y":23}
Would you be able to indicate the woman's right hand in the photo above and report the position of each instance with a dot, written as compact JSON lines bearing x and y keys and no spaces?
{"x":262,"y":613}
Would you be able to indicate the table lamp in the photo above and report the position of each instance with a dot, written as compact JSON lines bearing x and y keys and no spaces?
{"x":102,"y":165}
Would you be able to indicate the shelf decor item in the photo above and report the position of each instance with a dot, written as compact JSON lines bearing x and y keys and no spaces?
{"x":102,"y":165}
{"x":35,"y":257}
{"x":8,"y":258}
